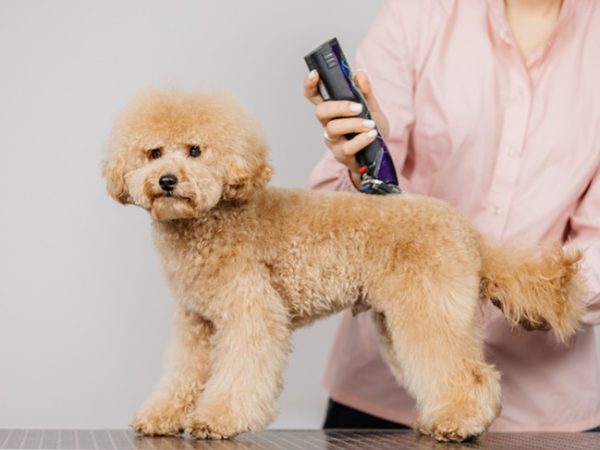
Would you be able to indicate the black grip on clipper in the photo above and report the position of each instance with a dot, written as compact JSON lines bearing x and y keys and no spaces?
{"x":335,"y":86}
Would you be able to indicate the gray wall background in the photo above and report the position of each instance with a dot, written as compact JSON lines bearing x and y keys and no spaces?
{"x":84,"y":311}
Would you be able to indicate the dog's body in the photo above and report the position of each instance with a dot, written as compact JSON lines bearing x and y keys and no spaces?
{"x":248,"y":264}
{"x":320,"y":251}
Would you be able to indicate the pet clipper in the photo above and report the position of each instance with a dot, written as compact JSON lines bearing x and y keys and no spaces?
{"x":377,"y":171}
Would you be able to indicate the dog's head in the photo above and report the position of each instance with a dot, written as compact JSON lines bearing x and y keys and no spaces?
{"x":179,"y":155}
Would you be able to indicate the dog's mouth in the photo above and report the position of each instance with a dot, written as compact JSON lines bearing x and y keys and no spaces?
{"x":171,"y":207}
{"x":181,"y":192}
{"x":174,"y":196}
{"x":177,"y":203}
{"x":187,"y":199}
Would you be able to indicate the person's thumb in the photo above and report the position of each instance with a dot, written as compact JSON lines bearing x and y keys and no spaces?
{"x":362,"y":80}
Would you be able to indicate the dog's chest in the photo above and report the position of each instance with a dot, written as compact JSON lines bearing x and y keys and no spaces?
{"x":194,"y":263}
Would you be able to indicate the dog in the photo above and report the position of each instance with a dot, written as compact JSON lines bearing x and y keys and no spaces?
{"x":248,"y":263}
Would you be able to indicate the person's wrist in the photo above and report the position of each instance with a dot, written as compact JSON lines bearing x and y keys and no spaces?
{"x":354,"y":179}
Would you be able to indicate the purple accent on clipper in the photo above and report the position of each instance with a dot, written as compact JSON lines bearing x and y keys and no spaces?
{"x":386,"y":170}
{"x":378,"y":174}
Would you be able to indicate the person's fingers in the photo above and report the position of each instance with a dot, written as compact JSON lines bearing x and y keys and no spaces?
{"x":357,"y":143}
{"x":339,"y":127}
{"x":344,"y":150}
{"x":338,"y":119}
{"x":326,"y":111}
{"x":311,"y":91}
{"x":346,"y":160}
{"x":362,"y":80}
{"x":327,"y":136}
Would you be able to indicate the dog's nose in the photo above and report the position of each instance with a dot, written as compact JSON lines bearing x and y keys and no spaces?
{"x":167,"y":182}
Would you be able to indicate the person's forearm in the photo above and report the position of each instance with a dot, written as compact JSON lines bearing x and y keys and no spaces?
{"x":590,"y":274}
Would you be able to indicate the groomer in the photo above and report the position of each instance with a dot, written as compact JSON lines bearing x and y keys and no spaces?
{"x":494,"y":107}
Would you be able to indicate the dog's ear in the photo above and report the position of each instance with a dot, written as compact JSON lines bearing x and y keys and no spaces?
{"x":114,"y":169}
{"x":241,"y":182}
{"x":248,"y":170}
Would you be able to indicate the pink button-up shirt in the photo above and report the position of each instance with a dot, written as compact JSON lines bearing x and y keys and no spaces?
{"x":515,"y":146}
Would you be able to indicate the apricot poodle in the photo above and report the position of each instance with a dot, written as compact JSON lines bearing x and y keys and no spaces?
{"x":247,"y":264}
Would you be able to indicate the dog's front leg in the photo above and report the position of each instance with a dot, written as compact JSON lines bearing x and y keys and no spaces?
{"x":251,"y":344}
{"x":187,"y":370}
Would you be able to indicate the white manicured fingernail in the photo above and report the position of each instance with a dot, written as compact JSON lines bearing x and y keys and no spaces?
{"x":372,"y":133}
{"x":356,"y":107}
{"x":312,"y":74}
{"x":368,"y":123}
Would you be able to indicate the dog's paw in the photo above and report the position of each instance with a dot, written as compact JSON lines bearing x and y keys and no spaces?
{"x":450,"y":431}
{"x":159,"y":419}
{"x":214,"y":423}
{"x":465,"y":409}
{"x":205,"y":430}
{"x":457,"y":424}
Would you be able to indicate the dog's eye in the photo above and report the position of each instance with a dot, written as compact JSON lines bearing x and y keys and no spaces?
{"x":195,"y":151}
{"x":155,"y":153}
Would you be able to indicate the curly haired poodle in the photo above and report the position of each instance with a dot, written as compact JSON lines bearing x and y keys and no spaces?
{"x":248,"y":264}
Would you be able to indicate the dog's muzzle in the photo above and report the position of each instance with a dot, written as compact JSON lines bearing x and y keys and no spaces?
{"x":167,"y":183}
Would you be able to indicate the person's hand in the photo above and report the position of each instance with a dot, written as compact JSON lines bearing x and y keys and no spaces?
{"x":338,"y":118}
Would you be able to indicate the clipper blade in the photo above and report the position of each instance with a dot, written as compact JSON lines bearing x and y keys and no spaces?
{"x":374,"y":186}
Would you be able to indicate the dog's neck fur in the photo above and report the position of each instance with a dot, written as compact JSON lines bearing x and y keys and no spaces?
{"x":223,"y":211}
{"x":187,"y":243}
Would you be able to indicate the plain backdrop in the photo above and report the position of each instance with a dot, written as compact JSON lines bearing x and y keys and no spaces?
{"x":84,"y":310}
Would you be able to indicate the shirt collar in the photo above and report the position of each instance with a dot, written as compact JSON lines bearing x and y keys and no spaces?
{"x":500,"y":30}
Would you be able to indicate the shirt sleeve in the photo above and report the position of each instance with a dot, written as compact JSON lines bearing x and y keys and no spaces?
{"x":585,"y":235}
{"x":382,"y":54}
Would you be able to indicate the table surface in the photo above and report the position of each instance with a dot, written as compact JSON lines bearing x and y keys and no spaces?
{"x":289,"y":440}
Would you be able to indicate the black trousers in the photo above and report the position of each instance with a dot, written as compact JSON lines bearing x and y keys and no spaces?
{"x":342,"y":416}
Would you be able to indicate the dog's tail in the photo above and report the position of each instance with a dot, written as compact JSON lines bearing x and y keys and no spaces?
{"x":538,"y":289}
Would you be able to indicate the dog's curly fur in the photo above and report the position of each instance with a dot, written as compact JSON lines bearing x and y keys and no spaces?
{"x":248,"y":264}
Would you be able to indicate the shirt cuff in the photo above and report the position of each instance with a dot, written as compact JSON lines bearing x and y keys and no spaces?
{"x":346,"y":181}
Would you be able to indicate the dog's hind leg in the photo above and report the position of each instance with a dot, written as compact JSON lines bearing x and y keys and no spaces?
{"x":186,"y":371}
{"x":385,"y":344}
{"x":435,"y":343}
{"x":251,"y":343}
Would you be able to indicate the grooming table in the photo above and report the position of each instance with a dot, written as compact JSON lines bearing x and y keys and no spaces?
{"x":290,"y":440}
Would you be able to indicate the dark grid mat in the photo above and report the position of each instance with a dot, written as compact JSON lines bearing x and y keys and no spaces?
{"x":292,"y":440}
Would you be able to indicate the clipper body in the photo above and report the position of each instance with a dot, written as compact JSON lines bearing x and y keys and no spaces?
{"x":378,"y":174}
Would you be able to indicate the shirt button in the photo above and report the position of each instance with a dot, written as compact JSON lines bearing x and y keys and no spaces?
{"x":497,"y":211}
